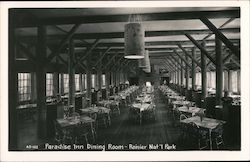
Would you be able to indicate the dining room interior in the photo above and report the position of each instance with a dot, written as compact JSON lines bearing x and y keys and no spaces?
{"x":126,"y":79}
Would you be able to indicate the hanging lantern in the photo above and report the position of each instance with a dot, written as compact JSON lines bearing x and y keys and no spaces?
{"x":142,"y":62}
{"x":134,"y":41}
{"x":145,"y":63}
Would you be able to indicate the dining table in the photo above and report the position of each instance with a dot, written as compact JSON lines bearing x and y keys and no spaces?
{"x":71,"y":122}
{"x":179,"y":103}
{"x":208,"y":123}
{"x":97,"y":110}
{"x":142,"y":107}
{"x":190,"y":110}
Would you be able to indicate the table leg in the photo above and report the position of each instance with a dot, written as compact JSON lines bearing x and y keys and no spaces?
{"x":109,"y":120}
{"x":93,"y":131}
{"x":210,"y":139}
{"x":140,"y":117}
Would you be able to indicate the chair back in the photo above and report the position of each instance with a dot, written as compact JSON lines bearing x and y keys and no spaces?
{"x":182,"y":117}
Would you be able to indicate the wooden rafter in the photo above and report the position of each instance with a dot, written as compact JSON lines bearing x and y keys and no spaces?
{"x":124,"y":18}
{"x":63,"y":42}
{"x":190,"y":56}
{"x":183,"y":59}
{"x":88,"y":52}
{"x":221,"y":36}
{"x":103,"y":55}
{"x":200,"y":47}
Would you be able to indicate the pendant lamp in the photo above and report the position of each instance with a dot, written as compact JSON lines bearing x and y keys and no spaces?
{"x":145,"y":63}
{"x":134,"y":41}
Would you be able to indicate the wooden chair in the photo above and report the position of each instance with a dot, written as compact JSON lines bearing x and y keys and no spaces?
{"x":217,"y":136}
{"x":82,"y":132}
{"x":199,"y":134}
{"x":101,"y":119}
{"x":134,"y":114}
{"x":149,"y":113}
{"x":59,"y":135}
{"x":115,"y":110}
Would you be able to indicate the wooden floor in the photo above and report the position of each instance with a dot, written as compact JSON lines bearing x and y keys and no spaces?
{"x":124,"y":131}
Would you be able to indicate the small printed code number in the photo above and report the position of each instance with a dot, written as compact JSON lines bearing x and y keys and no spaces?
{"x":31,"y":146}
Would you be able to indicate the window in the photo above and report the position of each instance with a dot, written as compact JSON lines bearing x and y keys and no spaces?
{"x":24,"y":86}
{"x":66,"y":83}
{"x":49,"y":84}
{"x":84,"y":81}
{"x":213,"y":79}
{"x":198,"y":79}
{"x":103,"y":80}
{"x":93,"y":79}
{"x":77,"y":82}
{"x":234,"y":81}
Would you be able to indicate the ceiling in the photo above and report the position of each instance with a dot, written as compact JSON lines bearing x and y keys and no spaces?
{"x":160,"y":46}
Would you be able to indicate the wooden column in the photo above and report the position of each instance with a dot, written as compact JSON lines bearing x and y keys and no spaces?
{"x":182,"y":76}
{"x":80,"y":82}
{"x":230,"y":88}
{"x":41,"y":82}
{"x":62,"y":84}
{"x":33,"y":87}
{"x":219,"y":70}
{"x":193,"y":71}
{"x":55,"y":83}
{"x":187,"y":74}
{"x":203,"y":73}
{"x":99,"y":76}
{"x":107,"y":77}
{"x":89,"y":73}
{"x":13,"y":89}
{"x":71,"y":71}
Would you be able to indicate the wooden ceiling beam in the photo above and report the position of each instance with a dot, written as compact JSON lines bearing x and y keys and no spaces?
{"x":183,"y":59}
{"x":103,"y":55}
{"x":63,"y":42}
{"x":113,"y":35}
{"x":187,"y":15}
{"x":153,"y":43}
{"x":190,"y":56}
{"x":200,"y":47}
{"x":88,"y":52}
{"x":221,"y":36}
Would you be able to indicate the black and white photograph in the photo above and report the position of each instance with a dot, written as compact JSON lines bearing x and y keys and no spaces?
{"x":153,"y":79}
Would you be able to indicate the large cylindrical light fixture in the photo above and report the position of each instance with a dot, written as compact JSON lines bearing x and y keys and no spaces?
{"x":145,"y":62}
{"x":134,"y":41}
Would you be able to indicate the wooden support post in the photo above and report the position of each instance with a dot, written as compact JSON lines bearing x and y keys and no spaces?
{"x":187,"y":74}
{"x":71,"y":71}
{"x":80,"y":82}
{"x":33,"y":87}
{"x":219,"y":70}
{"x":13,"y":89}
{"x":182,"y":69}
{"x":55,"y":83}
{"x":193,"y":69}
{"x":41,"y":82}
{"x":99,"y":78}
{"x":89,"y":73}
{"x":107,"y":73}
{"x":203,"y":72}
{"x":62,"y":84}
{"x":230,"y":88}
